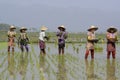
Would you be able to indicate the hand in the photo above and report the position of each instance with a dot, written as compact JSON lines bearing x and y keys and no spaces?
{"x":112,"y":39}
{"x":47,"y":38}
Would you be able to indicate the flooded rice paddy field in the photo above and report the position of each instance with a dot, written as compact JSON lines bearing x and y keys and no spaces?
{"x":70,"y":66}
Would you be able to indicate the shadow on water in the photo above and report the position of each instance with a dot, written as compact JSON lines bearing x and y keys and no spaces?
{"x":62,"y":72}
{"x":111,"y":70}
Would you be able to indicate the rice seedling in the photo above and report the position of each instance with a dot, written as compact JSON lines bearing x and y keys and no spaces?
{"x":52,"y":66}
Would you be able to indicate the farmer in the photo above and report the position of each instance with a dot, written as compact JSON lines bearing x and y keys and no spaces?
{"x":42,"y":38}
{"x":62,"y":35}
{"x":111,"y":39}
{"x":11,"y":38}
{"x":91,"y":39}
{"x":23,"y":39}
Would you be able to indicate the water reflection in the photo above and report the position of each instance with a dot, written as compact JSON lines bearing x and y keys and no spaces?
{"x":23,"y":63}
{"x":42,"y":67}
{"x":90,"y":69}
{"x":110,"y":70}
{"x":42,"y":61}
{"x":11,"y":64}
{"x":61,"y":75}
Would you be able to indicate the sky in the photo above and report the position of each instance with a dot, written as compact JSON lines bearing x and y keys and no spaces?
{"x":75,"y":15}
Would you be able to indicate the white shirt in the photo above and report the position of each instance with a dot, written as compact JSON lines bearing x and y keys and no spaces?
{"x":41,"y":36}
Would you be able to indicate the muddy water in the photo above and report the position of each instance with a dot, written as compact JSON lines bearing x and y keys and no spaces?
{"x":70,"y":66}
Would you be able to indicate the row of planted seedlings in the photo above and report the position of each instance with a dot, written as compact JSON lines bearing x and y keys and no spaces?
{"x":71,"y":65}
{"x":100,"y":69}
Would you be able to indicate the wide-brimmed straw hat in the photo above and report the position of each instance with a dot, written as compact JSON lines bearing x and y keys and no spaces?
{"x":112,"y":29}
{"x":23,"y":28}
{"x":12,"y":27}
{"x":43,"y":28}
{"x":93,"y":28}
{"x":62,"y":26}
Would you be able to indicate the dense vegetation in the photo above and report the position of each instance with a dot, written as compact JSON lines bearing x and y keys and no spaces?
{"x":34,"y":34}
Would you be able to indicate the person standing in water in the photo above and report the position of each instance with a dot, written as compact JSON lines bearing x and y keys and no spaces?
{"x":42,"y":38}
{"x":111,"y":39}
{"x":23,"y":39}
{"x":62,"y":35}
{"x":11,"y":38}
{"x":91,"y":39}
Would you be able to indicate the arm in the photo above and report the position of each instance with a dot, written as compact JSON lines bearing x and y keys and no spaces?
{"x":57,"y":34}
{"x":66,"y":35}
{"x":14,"y":34}
{"x":89,"y":36}
{"x":28,"y":41}
{"x":107,"y":36}
{"x":46,"y":37}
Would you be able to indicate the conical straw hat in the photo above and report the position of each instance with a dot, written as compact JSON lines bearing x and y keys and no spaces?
{"x":62,"y":26}
{"x":23,"y":28}
{"x":93,"y":28}
{"x":12,"y":27}
{"x":43,"y":28}
{"x":112,"y":29}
